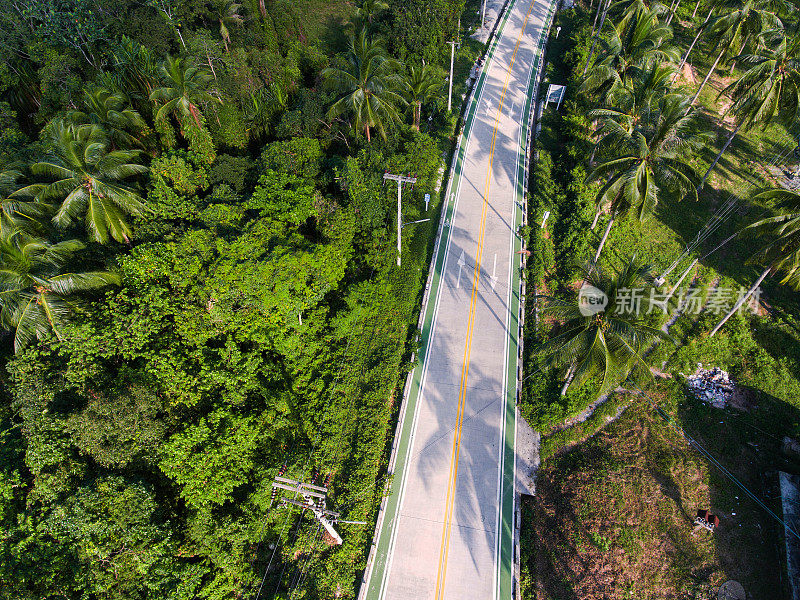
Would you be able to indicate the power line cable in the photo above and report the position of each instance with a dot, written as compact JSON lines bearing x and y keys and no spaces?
{"x":697,"y":446}
{"x":723,"y":213}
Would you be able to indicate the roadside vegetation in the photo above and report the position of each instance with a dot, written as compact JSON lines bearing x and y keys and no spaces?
{"x":632,"y":170}
{"x":199,"y":288}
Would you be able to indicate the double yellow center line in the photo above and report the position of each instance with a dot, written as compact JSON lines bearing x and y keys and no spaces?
{"x":453,"y":474}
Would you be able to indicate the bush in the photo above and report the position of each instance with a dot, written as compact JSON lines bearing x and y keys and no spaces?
{"x":230,"y":170}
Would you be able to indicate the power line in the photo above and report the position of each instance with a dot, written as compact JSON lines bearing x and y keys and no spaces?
{"x":721,"y":215}
{"x":697,"y":446}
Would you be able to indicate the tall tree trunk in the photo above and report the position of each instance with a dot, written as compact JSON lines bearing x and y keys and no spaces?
{"x":597,"y":215}
{"x":694,"y":12}
{"x":178,"y":30}
{"x":721,"y":152}
{"x":672,"y":10}
{"x":262,"y":9}
{"x":708,"y":76}
{"x":741,"y":301}
{"x":368,"y":137}
{"x":597,"y":34}
{"x":597,"y":14}
{"x":694,"y":41}
{"x":568,"y":380}
{"x":603,"y":241}
{"x":417,"y":114}
{"x":210,"y":62}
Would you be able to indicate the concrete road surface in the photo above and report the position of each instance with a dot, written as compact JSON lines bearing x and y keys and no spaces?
{"x":446,"y":528}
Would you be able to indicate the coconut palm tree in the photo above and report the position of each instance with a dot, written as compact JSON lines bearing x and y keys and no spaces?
{"x":738,"y":23}
{"x":422,"y":84}
{"x":602,"y":330}
{"x":185,"y":88}
{"x":781,"y":251}
{"x":640,"y":170}
{"x":364,"y":16}
{"x":113,"y":113}
{"x":16,"y":214}
{"x":368,"y":86}
{"x":768,"y":91}
{"x":87,"y":180}
{"x":227,"y":12}
{"x":631,"y":105}
{"x":700,"y":31}
{"x":626,"y":50}
{"x":35,"y":290}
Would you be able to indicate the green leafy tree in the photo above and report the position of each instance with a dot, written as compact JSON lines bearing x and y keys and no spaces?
{"x":34,"y":288}
{"x":601,"y":339}
{"x":88,"y":181}
{"x":422,"y":85}
{"x":135,"y":70}
{"x":632,"y":106}
{"x":368,"y":86}
{"x":15,"y":213}
{"x":365,"y":15}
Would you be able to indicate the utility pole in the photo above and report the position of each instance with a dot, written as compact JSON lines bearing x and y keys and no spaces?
{"x":401,"y":179}
{"x":450,"y":90}
{"x":314,"y":500}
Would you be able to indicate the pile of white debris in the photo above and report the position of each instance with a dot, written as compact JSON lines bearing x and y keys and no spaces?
{"x":713,"y":385}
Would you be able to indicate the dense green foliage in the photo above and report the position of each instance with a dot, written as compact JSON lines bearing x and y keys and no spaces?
{"x":614,"y":123}
{"x":200,"y":287}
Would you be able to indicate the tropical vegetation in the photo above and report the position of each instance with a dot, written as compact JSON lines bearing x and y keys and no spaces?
{"x":198,"y":289}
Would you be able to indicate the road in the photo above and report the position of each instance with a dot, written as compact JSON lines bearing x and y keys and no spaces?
{"x":446,"y":531}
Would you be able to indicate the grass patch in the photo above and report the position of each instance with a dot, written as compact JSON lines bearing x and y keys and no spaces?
{"x":613,"y":517}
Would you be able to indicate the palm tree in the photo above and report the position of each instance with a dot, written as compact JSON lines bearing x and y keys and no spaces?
{"x":700,"y":31}
{"x":631,"y":105}
{"x":422,"y":85}
{"x":602,"y":330}
{"x":652,"y":162}
{"x":768,"y":91}
{"x":782,"y":252}
{"x":88,"y":181}
{"x":368,"y":86}
{"x":365,"y":14}
{"x":16,"y":214}
{"x":113,"y":113}
{"x":35,"y":290}
{"x":185,"y":88}
{"x":227,"y":12}
{"x":736,"y":26}
{"x":628,"y":49}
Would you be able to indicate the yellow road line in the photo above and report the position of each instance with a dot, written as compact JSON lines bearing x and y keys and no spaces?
{"x":453,"y":473}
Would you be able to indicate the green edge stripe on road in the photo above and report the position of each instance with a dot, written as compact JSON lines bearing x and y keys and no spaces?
{"x":375,"y":582}
{"x":506,"y":562}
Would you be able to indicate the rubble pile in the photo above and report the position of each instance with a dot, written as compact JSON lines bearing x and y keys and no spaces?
{"x":711,"y":385}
